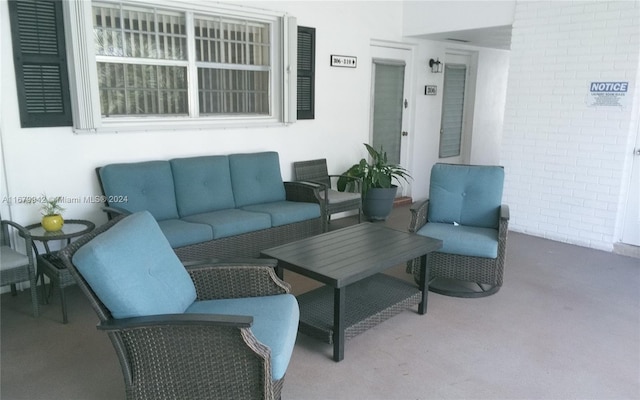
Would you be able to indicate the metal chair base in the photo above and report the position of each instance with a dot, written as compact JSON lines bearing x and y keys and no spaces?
{"x":456,"y":288}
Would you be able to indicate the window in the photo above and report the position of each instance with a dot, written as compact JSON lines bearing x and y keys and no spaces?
{"x":158,"y":67}
{"x":452,"y":110}
{"x":40,"y":63}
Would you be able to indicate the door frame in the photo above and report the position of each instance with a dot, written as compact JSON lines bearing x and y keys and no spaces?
{"x":377,"y":48}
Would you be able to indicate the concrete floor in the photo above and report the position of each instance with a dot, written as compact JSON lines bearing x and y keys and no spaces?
{"x":565,"y":325}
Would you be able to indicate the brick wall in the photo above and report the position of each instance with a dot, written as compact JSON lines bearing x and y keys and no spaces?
{"x":565,"y":159}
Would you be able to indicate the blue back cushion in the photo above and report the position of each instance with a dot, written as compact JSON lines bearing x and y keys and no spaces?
{"x":141,"y":186}
{"x":256,"y":178}
{"x":203,"y":184}
{"x":133,"y":270}
{"x":466,"y":194}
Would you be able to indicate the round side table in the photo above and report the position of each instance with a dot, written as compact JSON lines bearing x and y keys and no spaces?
{"x":49,"y":263}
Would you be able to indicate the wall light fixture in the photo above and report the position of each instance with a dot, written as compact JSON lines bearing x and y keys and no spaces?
{"x":436,"y":65}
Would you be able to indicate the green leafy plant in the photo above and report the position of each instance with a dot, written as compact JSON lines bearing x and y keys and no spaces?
{"x":51,"y":206}
{"x":375,"y":174}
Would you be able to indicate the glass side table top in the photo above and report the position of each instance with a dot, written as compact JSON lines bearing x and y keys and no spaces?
{"x":71,"y":228}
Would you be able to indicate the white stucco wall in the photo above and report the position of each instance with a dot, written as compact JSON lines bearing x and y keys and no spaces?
{"x":58,"y":162}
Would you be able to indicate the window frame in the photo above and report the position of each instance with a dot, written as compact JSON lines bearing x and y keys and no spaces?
{"x":84,"y":76}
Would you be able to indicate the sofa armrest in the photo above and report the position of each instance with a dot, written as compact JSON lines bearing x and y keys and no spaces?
{"x":418,"y":215}
{"x":304,"y":191}
{"x":309,"y":192}
{"x":224,"y":279}
{"x":113,"y":212}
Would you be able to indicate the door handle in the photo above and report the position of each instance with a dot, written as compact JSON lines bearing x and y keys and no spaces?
{"x":405,"y":133}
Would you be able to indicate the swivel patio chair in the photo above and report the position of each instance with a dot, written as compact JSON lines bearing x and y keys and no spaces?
{"x":211,"y":329}
{"x":17,"y":262}
{"x":464,"y":210}
{"x":334,"y":201}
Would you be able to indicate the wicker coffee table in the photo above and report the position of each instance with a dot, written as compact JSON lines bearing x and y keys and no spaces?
{"x":356,"y":295}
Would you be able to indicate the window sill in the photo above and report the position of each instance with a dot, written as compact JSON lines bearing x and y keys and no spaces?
{"x":178,"y":124}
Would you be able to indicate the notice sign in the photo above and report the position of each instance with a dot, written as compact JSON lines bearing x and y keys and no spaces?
{"x":607,"y":94}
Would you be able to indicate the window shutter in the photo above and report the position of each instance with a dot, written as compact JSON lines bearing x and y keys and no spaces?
{"x":37,"y":31}
{"x":306,"y":71}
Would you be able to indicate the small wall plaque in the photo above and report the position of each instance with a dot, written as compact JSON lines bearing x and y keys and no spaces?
{"x":430,"y":90}
{"x":344,"y":61}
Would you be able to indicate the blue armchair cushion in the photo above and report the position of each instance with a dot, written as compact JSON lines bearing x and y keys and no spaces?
{"x":133,"y":270}
{"x":466,"y":194}
{"x":225,"y":223}
{"x":463,"y":240}
{"x":202,"y":184}
{"x":287,"y":212}
{"x":141,"y":186}
{"x":275,"y":323}
{"x":181,"y":233}
{"x":256,"y":178}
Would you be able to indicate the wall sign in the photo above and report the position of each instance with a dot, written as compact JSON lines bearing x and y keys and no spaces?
{"x":430,"y":90}
{"x":607,"y":94}
{"x":344,"y":61}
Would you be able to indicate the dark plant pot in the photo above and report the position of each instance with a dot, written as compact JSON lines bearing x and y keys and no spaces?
{"x":378,"y":203}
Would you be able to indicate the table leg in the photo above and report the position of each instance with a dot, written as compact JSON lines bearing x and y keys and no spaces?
{"x":338,"y":323}
{"x":424,"y":285}
{"x":280,"y":272}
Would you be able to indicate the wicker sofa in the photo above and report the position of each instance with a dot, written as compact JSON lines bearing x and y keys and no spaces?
{"x":222,"y":206}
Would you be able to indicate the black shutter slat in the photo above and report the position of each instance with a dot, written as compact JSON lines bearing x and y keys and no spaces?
{"x":40,"y":62}
{"x":306,"y":72}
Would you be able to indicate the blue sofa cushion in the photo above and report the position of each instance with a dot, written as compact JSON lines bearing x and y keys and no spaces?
{"x":275,"y":323}
{"x":134,"y":271}
{"x":463,"y":240}
{"x":181,"y":233}
{"x":256,"y":178}
{"x":287,"y":212}
{"x":225,"y":223}
{"x":141,"y":186}
{"x":466,"y":194}
{"x":202,"y":184}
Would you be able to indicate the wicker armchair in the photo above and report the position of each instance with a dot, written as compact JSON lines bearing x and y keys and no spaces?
{"x":17,"y":262}
{"x":315,"y":171}
{"x":199,"y":355}
{"x":464,"y":210}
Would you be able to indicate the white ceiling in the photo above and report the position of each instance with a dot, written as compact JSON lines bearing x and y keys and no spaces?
{"x":498,"y":37}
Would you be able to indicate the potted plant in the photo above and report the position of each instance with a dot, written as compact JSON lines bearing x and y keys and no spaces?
{"x":377,"y":175}
{"x":51,"y":213}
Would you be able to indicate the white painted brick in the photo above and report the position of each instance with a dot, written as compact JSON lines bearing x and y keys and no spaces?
{"x":564,"y":160}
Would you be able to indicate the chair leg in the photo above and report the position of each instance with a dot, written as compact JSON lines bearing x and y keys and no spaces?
{"x":33,"y":288}
{"x":14,"y":291}
{"x":63,"y":301}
